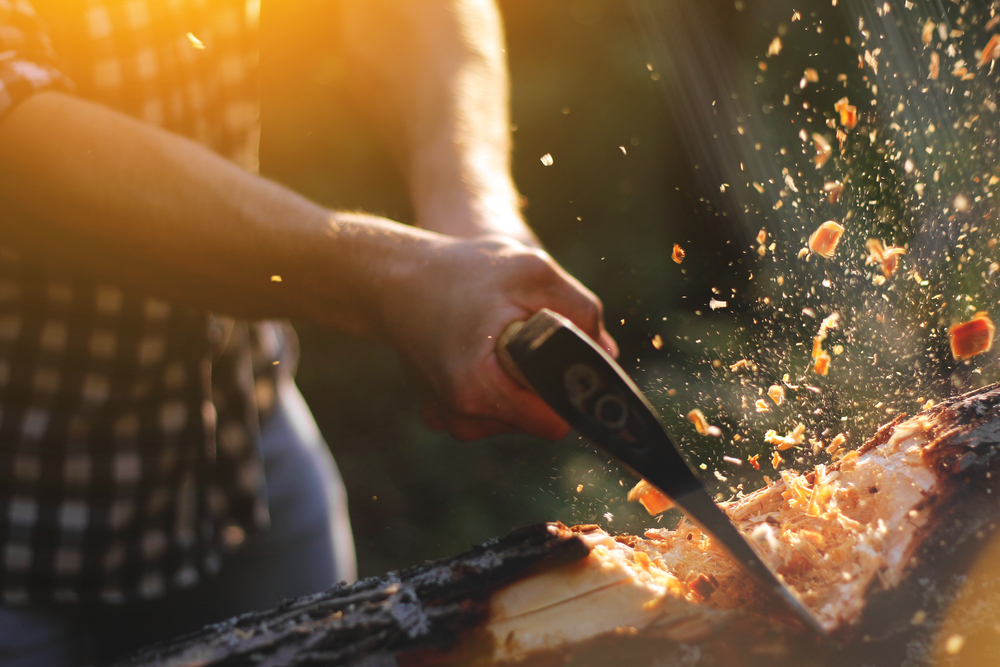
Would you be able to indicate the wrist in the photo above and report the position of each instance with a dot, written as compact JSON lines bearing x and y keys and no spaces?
{"x":466,"y":192}
{"x":383,"y":262}
{"x":475,"y":212}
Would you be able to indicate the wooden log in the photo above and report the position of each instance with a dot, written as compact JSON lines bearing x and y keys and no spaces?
{"x":892,"y":547}
{"x":412,"y":617}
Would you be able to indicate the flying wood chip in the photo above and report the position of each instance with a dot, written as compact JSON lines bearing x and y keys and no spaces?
{"x":651,"y":498}
{"x":887,"y":258}
{"x":793,"y":438}
{"x":825,"y":239}
{"x":991,"y":52}
{"x":823,"y":149}
{"x":743,"y":365}
{"x":973,"y":337}
{"x":821,"y":359}
{"x":848,"y":113}
{"x":833,"y":190}
{"x":821,"y":364}
{"x":697,"y":417}
{"x":927,"y":34}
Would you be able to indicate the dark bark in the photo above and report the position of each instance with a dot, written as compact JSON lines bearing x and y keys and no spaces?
{"x":411,"y":617}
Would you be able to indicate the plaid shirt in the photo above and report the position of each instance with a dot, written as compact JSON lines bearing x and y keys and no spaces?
{"x":129,"y":436}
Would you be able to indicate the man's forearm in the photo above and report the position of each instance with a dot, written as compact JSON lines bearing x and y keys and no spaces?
{"x":433,"y":74}
{"x":86,"y":186}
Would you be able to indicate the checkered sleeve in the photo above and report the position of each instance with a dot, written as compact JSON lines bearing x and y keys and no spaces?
{"x":27,"y":61}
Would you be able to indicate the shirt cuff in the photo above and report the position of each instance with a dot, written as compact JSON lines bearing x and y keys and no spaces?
{"x":21,"y":78}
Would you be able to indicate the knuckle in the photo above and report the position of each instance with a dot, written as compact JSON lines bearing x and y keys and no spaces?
{"x":492,"y":245}
{"x":595,"y":311}
{"x":536,"y":263}
{"x":588,"y":312}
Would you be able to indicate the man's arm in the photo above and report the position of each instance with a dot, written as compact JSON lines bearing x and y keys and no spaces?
{"x":433,"y":75}
{"x":84,"y":186}
{"x":119,"y":198}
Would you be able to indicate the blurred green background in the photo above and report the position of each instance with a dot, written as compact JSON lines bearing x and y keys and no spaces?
{"x":658,"y":117}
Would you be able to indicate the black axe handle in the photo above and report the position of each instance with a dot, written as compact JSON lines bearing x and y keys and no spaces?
{"x":588,"y":389}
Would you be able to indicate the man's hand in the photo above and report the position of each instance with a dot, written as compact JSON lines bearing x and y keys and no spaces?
{"x":444,"y":312}
{"x":127,"y":202}
{"x":432,"y":75}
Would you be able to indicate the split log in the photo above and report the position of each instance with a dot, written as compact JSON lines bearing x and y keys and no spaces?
{"x":891,"y":547}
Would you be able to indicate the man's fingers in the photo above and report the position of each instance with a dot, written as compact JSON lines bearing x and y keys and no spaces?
{"x":537,"y":418}
{"x":559,"y":291}
{"x":587,"y":312}
{"x":512,"y":408}
{"x":522,"y":407}
{"x":608,"y":343}
{"x":440,"y":418}
{"x":474,"y":428}
{"x":461,"y":427}
{"x":474,"y":396}
{"x":432,"y":416}
{"x":524,"y":412}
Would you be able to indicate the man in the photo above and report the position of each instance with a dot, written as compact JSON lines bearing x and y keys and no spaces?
{"x":132,"y":500}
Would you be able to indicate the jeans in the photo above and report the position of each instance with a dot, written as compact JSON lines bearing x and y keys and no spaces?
{"x":308,"y":548}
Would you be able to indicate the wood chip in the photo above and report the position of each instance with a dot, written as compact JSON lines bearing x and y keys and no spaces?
{"x":678,"y":254}
{"x":833,"y":190}
{"x":927,"y":34}
{"x":848,"y":113}
{"x":971,"y":338}
{"x":825,"y":239}
{"x":697,"y":417}
{"x":887,"y":258}
{"x":651,"y":498}
{"x":823,"y":150}
{"x":821,"y":365}
{"x":743,"y":365}
{"x":991,"y":51}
